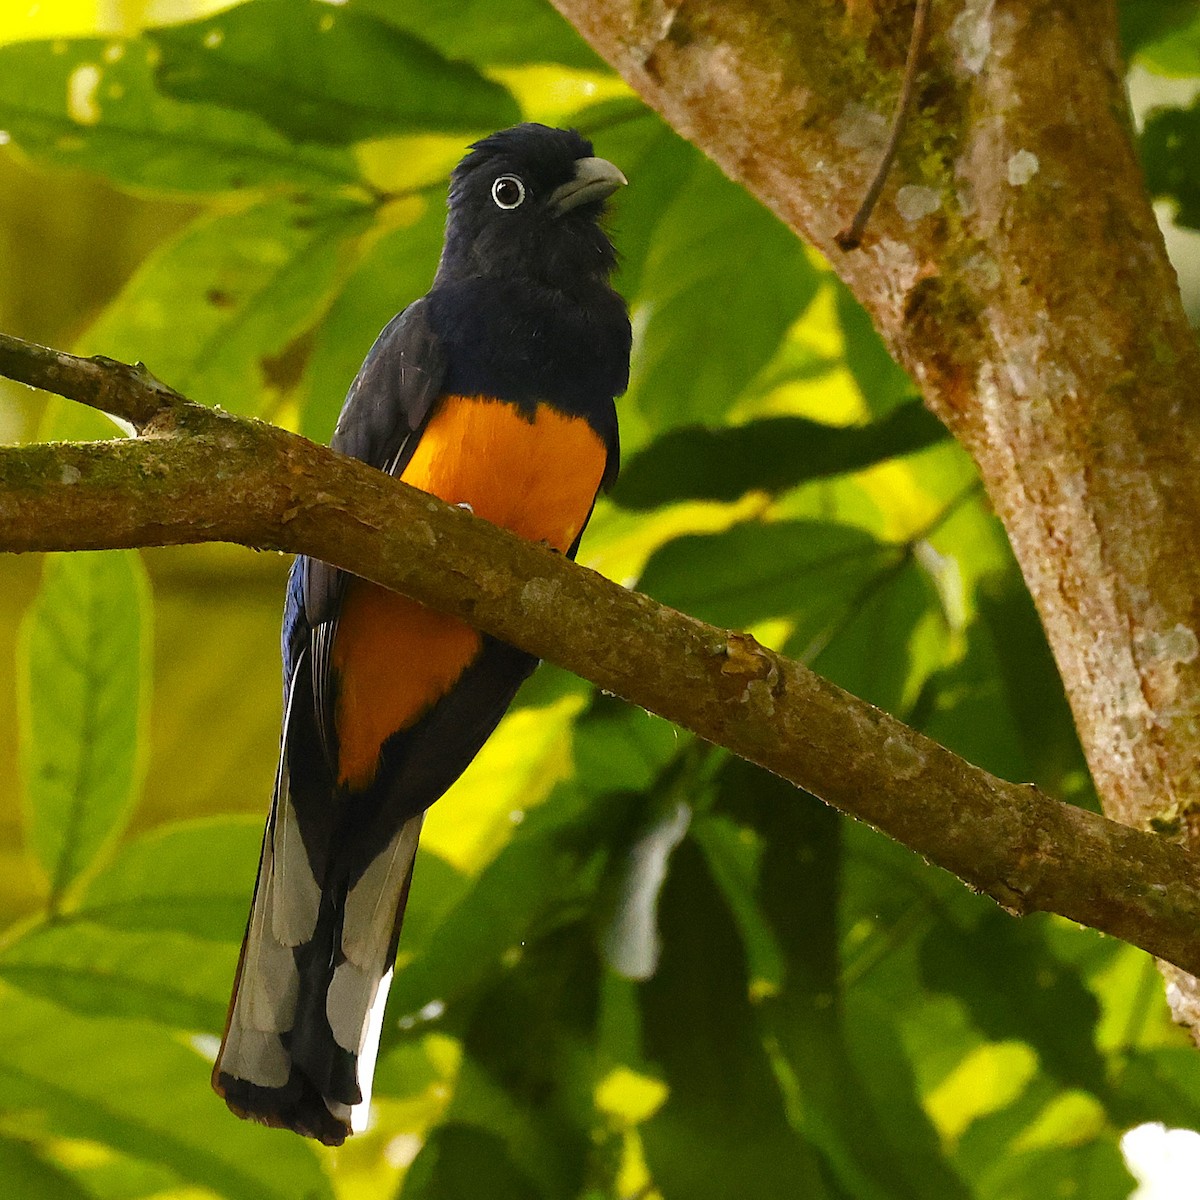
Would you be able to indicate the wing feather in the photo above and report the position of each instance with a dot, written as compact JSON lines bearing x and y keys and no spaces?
{"x":386,"y":408}
{"x":369,"y":917}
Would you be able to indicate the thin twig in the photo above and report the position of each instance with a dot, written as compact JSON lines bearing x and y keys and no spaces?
{"x":851,"y":237}
{"x":120,"y":389}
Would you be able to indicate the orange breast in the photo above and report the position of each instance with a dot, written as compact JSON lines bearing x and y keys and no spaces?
{"x":393,"y":657}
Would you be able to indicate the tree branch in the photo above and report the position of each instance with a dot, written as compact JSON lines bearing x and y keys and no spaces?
{"x":128,"y":392}
{"x":1016,"y":269}
{"x":202,"y":475}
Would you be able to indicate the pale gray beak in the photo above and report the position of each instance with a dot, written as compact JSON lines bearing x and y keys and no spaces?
{"x":595,"y":178}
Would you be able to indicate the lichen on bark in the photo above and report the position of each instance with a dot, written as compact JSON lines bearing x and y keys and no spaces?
{"x":1034,"y":304}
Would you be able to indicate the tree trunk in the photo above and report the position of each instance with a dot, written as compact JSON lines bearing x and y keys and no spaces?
{"x":1015,"y":268}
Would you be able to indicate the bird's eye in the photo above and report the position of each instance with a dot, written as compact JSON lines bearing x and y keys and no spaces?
{"x":508,"y":191}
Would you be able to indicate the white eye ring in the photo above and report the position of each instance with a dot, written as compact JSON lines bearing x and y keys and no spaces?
{"x":503,"y":192}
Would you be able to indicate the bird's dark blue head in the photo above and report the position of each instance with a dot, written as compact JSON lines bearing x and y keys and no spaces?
{"x":526,"y":203}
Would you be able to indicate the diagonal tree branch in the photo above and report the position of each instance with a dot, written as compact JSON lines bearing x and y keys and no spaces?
{"x":202,"y":475}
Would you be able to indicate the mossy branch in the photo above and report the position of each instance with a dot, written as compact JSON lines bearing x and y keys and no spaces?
{"x":200,"y":475}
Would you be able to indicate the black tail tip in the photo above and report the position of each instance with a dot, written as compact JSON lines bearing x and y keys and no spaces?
{"x":297,"y":1106}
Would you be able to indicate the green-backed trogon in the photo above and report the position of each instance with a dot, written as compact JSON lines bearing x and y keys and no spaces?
{"x":495,"y":390}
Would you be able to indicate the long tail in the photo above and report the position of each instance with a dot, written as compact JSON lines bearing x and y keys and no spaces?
{"x":300,"y":1042}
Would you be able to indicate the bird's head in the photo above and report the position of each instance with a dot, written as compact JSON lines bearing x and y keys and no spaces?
{"x":526,"y":203}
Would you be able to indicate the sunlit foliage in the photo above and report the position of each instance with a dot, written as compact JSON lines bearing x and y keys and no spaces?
{"x":802,"y":1008}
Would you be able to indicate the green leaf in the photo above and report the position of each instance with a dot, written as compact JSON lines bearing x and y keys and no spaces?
{"x":1148,"y":21}
{"x":27,"y":1173}
{"x":1032,"y":685}
{"x":1002,"y":704}
{"x":92,"y":103}
{"x":990,"y":1144}
{"x":659,"y":165}
{"x":886,"y":1105}
{"x":171,"y":979}
{"x":1016,"y":988}
{"x":456,"y":1158}
{"x":722,"y":282}
{"x":136,"y":1087}
{"x":538,"y":876}
{"x":1160,"y":1084}
{"x":547,"y":686}
{"x":1170,"y":148}
{"x":193,"y":877}
{"x":864,"y":1116}
{"x":214,"y":311}
{"x":734,"y":855}
{"x":621,"y":749}
{"x":809,"y":570}
{"x":527,"y":1070}
{"x":84,"y":665}
{"x":497,"y":32}
{"x":551,"y":865}
{"x":882,"y":382}
{"x":1093,"y":1171}
{"x":904,"y":1039}
{"x":964,"y":707}
{"x":1164,"y":34}
{"x":770,"y":455}
{"x":396,"y":270}
{"x":322,"y":74}
{"x":118,"y":1176}
{"x":891,"y":637}
{"x":723,"y":1123}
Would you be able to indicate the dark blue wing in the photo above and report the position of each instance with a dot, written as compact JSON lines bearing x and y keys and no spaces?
{"x":385,"y":409}
{"x":387,"y":404}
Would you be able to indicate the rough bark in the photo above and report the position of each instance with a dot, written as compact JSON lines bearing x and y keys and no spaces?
{"x":1015,"y":268}
{"x":196,"y":474}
